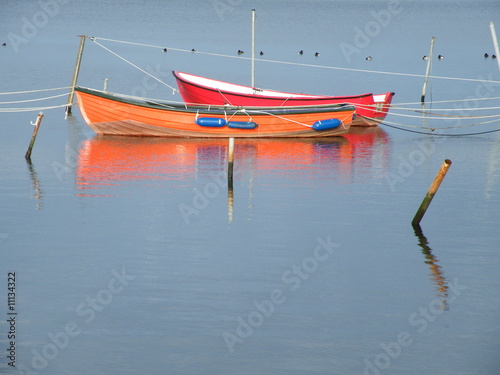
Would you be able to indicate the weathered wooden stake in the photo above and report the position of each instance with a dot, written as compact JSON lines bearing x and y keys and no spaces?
{"x":75,"y":74}
{"x":429,"y":63}
{"x":33,"y":137}
{"x":430,"y":194}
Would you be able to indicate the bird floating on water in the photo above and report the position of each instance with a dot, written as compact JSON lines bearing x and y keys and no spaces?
{"x":4,"y":44}
{"x":493,"y":56}
{"x":240,"y":52}
{"x":316,"y":54}
{"x":261,"y":53}
{"x":369,"y":58}
{"x":425,"y":58}
{"x":164,"y":50}
{"x":486,"y":55}
{"x":193,"y":50}
{"x":440,"y":57}
{"x":301,"y":52}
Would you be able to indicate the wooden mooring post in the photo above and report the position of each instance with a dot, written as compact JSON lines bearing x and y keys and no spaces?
{"x":430,"y":194}
{"x":33,"y":137}
{"x":75,"y":74}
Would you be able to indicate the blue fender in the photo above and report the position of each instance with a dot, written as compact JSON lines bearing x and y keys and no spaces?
{"x":214,"y":122}
{"x":327,"y":124}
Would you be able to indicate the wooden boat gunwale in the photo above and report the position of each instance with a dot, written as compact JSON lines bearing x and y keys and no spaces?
{"x":215,"y":109}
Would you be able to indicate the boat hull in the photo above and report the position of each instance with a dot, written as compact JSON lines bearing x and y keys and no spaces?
{"x":111,"y":114}
{"x":371,"y":109}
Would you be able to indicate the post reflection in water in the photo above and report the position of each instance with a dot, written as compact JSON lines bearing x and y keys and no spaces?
{"x":436,"y":271}
{"x":37,"y":189}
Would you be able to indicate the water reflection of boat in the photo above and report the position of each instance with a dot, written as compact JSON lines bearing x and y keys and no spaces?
{"x":111,"y":160}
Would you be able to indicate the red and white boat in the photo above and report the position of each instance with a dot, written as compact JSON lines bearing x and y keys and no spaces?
{"x":371,"y":109}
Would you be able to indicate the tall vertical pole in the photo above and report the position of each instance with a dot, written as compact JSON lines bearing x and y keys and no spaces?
{"x":253,"y":47}
{"x":429,"y":63}
{"x":75,"y":74}
{"x":495,"y":42}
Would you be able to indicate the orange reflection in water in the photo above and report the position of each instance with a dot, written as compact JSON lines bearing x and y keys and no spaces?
{"x":109,"y":161}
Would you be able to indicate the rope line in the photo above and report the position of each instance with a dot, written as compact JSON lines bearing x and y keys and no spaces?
{"x":33,"y":100}
{"x":449,"y":101}
{"x":30,"y":109}
{"x":452,"y":116}
{"x":442,"y":116}
{"x":443,"y":109}
{"x":287,"y":119}
{"x":281,"y":117}
{"x":434,"y":128}
{"x":300,"y":64}
{"x":438,"y":134}
{"x":30,"y":91}
{"x":132,"y":64}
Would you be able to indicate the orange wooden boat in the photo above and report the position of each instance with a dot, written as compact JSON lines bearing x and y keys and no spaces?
{"x":114,"y":114}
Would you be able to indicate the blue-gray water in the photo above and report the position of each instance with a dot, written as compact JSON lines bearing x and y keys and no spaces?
{"x":131,"y":258}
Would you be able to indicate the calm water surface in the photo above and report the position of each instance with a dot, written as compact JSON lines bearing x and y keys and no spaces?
{"x":131,"y":256}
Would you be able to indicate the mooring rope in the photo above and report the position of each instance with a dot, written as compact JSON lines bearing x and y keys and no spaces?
{"x":447,"y":101}
{"x":438,"y":134}
{"x":31,"y":91}
{"x":238,"y":111}
{"x":280,"y":117}
{"x":34,"y":100}
{"x":425,"y":113}
{"x":444,"y":109}
{"x":287,"y":119}
{"x":442,"y":116}
{"x":300,"y":64}
{"x":433,"y":128}
{"x":132,"y":64}
{"x":32,"y":109}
